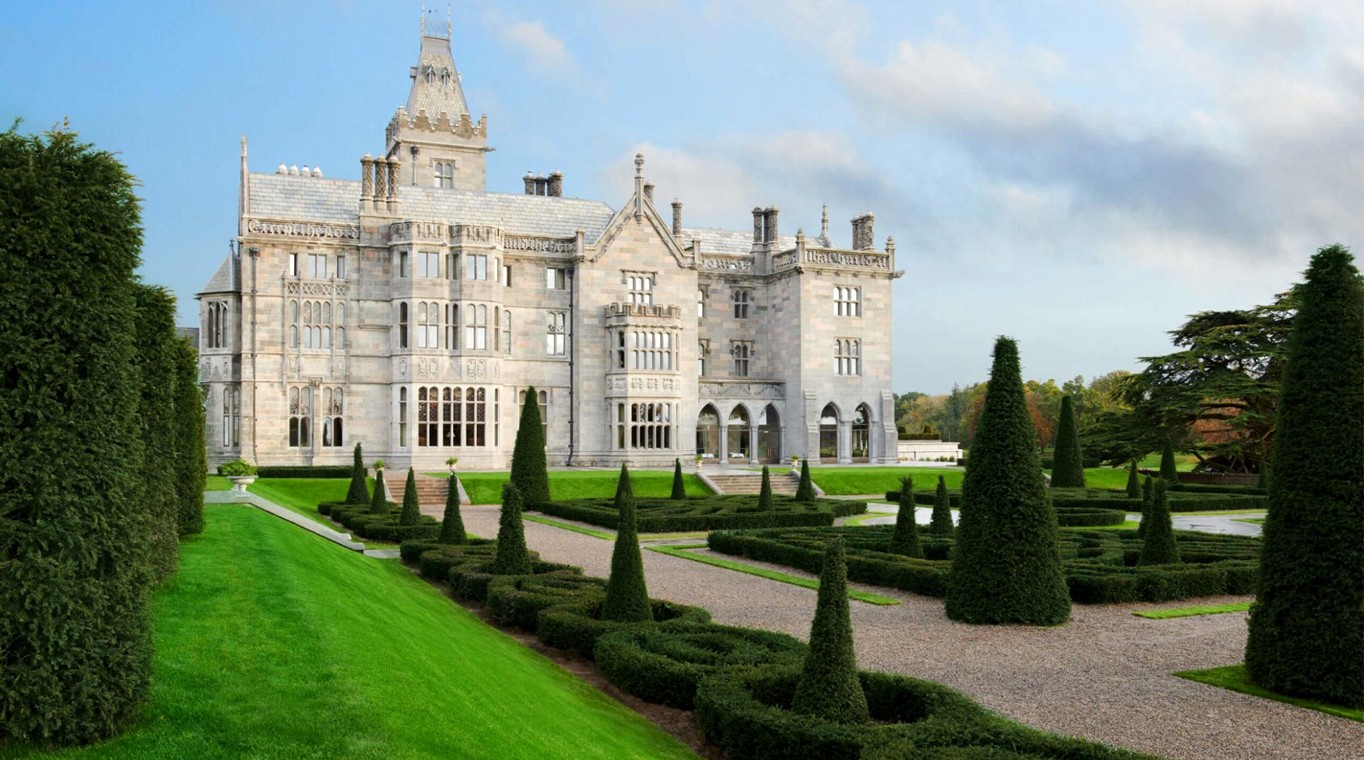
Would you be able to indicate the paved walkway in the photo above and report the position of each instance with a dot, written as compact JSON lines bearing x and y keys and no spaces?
{"x":1105,"y":675}
{"x":265,"y":505}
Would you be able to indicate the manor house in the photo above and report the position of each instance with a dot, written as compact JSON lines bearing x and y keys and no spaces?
{"x":411,"y":311}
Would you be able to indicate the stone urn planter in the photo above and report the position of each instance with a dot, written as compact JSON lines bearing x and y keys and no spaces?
{"x":239,"y":484}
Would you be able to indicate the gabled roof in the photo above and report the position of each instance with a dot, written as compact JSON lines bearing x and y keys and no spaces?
{"x":225,"y":279}
{"x":435,"y":82}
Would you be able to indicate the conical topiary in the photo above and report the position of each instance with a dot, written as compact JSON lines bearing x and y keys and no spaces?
{"x":627,"y":597}
{"x":1263,"y":478}
{"x":1067,"y":464}
{"x":528,"y":468}
{"x":905,"y":540}
{"x":412,"y":511}
{"x":1007,"y":564}
{"x":452,"y":524}
{"x":1133,"y":482}
{"x":358,"y":493}
{"x":765,"y":492}
{"x":377,"y":503}
{"x":805,"y":492}
{"x":1307,"y":623}
{"x":941,"y":524}
{"x":679,"y":488}
{"x":829,"y":687}
{"x":1168,"y":472}
{"x":512,"y":557}
{"x":1146,"y":496}
{"x":1159,"y":548}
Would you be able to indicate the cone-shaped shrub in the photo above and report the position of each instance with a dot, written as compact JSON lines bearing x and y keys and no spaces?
{"x":805,"y":492}
{"x":1307,"y":623}
{"x":1262,"y":480}
{"x":1133,"y":482}
{"x":528,"y":469}
{"x":412,"y":511}
{"x":941,"y":524}
{"x":452,"y":524}
{"x":377,"y":503}
{"x":512,"y":557}
{"x":765,"y":492}
{"x":627,"y":597}
{"x":1168,"y":472}
{"x":358,"y":493}
{"x":679,"y":488}
{"x":905,"y":540}
{"x":1007,"y":563}
{"x":192,"y":466}
{"x":829,"y":686}
{"x":1067,"y":464}
{"x":1147,"y":494}
{"x":1159,"y":547}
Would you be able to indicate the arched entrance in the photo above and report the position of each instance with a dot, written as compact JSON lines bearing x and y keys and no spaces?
{"x":861,"y":434}
{"x":769,"y":435}
{"x":708,"y":433}
{"x":828,"y":434}
{"x":740,"y":443}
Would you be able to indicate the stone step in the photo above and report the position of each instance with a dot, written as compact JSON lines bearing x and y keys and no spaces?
{"x":430,"y":491}
{"x":782,"y":483}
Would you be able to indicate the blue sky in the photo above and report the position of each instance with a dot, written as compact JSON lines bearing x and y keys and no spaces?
{"x":1077,"y":175}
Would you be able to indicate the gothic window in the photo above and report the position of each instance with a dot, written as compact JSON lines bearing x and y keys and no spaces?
{"x":651,"y":350}
{"x":475,"y":327}
{"x":428,"y":325}
{"x":742,"y":297}
{"x":742,"y":351}
{"x":555,"y":278}
{"x":315,"y":326}
{"x":452,"y":327}
{"x":444,"y":175}
{"x":402,"y":325}
{"x":646,"y":426}
{"x":848,"y":301}
{"x":555,"y":334}
{"x":402,"y":417}
{"x":232,"y":415}
{"x":293,"y":324}
{"x":506,"y":331}
{"x":640,"y":288}
{"x":475,"y":266}
{"x":430,"y":75}
{"x":453,"y":416}
{"x":333,"y":417}
{"x":847,"y":356}
{"x":300,"y":416}
{"x":218,"y":324}
{"x":702,"y":348}
{"x":428,"y":265}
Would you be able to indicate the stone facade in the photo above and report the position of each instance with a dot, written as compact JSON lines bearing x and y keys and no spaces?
{"x":411,"y":310}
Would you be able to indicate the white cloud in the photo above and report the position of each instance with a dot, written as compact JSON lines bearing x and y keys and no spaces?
{"x":545,"y":52}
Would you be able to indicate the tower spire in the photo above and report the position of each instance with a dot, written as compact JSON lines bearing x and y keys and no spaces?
{"x":243,"y":193}
{"x":824,"y":228}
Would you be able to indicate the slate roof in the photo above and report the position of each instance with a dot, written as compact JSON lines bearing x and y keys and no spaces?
{"x":436,"y":97}
{"x":224,"y":280}
{"x":280,"y":196}
{"x":716,"y":240}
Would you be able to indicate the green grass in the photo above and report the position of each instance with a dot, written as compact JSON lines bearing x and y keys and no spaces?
{"x":486,"y":487}
{"x":1222,"y":512}
{"x":1179,"y":612}
{"x":302,"y":495}
{"x":1251,"y":520}
{"x":762,"y":572}
{"x":1127,"y":525}
{"x":273,"y":643}
{"x":855,"y":481}
{"x":1234,"y":677}
{"x":217,"y":483}
{"x":569,"y":526}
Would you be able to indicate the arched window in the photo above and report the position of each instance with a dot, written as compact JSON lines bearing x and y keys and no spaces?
{"x":740,"y":438}
{"x":506,"y":332}
{"x":300,"y":416}
{"x":742,"y":298}
{"x":232,"y":415}
{"x":402,"y":417}
{"x":555,"y":334}
{"x":861,"y":432}
{"x":828,"y":433}
{"x":333,"y":417}
{"x":708,"y":433}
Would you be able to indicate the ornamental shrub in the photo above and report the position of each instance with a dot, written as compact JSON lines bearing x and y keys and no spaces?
{"x":941,"y":524}
{"x":679,"y":488}
{"x":1133,"y":482}
{"x":905,"y":540}
{"x":358,"y":493}
{"x":1007,"y":563}
{"x":806,"y":490}
{"x":1307,"y":623}
{"x":412,"y":511}
{"x":512,"y":557}
{"x":378,"y":505}
{"x":1159,"y":548}
{"x":1168,"y":471}
{"x":829,"y":687}
{"x":765,"y":492}
{"x":156,"y":369}
{"x":627,"y":598}
{"x":191,"y":468}
{"x":528,"y":470}
{"x":452,"y":524}
{"x":1147,"y":495}
{"x":1068,"y":469}
{"x":75,"y":633}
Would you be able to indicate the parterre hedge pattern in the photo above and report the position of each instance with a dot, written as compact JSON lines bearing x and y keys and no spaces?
{"x":705,"y":513}
{"x":1100,"y":566}
{"x":379,"y":526}
{"x":1182,"y":499}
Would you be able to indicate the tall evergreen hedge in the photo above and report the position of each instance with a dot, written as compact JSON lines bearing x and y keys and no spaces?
{"x":358,"y":493}
{"x":412,"y":511}
{"x":528,"y":469}
{"x":512,"y":557}
{"x":1159,"y":548}
{"x":905,"y":540}
{"x":1007,"y":563}
{"x":1067,"y":468}
{"x":1168,"y":472}
{"x":679,"y":488}
{"x":191,"y":468}
{"x":75,"y":635}
{"x":1133,"y":482}
{"x":805,"y":492}
{"x":829,"y":686}
{"x":452,"y":522}
{"x":765,"y":492}
{"x":156,"y":369}
{"x":1307,"y":623}
{"x":627,"y":597}
{"x":941,"y":523}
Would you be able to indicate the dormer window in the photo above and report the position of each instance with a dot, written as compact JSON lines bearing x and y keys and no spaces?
{"x":430,"y":75}
{"x":445,"y":77}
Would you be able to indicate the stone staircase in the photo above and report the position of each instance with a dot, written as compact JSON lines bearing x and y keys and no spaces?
{"x":430,"y":491}
{"x":783,"y":482}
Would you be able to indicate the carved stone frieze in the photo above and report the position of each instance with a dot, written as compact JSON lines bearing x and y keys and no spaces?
{"x":315,"y":230}
{"x":428,"y":369}
{"x":727,"y":264}
{"x":316,"y":288}
{"x":742,"y":389}
{"x":539,"y":244}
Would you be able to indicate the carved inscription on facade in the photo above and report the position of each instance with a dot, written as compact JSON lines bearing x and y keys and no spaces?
{"x":303,"y":229}
{"x":419,"y":230}
{"x":743,"y":390}
{"x":479,"y":233}
{"x":729,"y":265}
{"x":844,"y":259}
{"x":539,"y":244}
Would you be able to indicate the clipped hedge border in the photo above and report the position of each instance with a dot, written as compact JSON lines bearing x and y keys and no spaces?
{"x":411,"y":550}
{"x":469,"y":581}
{"x":302,"y":471}
{"x":517,"y":600}
{"x":576,"y":628}
{"x":435,"y":564}
{"x":665,"y":665}
{"x":1084,"y":517}
{"x":705,"y":513}
{"x":1199,"y":500}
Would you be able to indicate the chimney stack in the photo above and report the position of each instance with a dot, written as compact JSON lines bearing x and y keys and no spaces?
{"x":864,"y":233}
{"x":556,"y":184}
{"x":757,"y":225}
{"x":529,"y":179}
{"x":677,"y":218}
{"x":770,"y":225}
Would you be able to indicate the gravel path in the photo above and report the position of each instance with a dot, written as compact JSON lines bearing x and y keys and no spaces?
{"x":1104,"y":676}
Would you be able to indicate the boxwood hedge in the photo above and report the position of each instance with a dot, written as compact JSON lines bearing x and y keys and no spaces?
{"x":470,"y":580}
{"x":517,"y":600}
{"x":705,"y":513}
{"x":1182,"y":499}
{"x":302,"y":471}
{"x":1100,"y":565}
{"x":379,"y":526}
{"x":576,"y":628}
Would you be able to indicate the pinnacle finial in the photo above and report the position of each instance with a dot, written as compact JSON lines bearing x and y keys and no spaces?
{"x":639,"y":164}
{"x":422,"y":25}
{"x":243,"y":146}
{"x":449,"y":22}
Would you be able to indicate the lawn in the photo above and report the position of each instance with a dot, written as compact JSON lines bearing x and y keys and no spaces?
{"x":302,"y":495}
{"x":1234,"y":677}
{"x":1179,"y":612}
{"x":273,"y":643}
{"x":217,"y":483}
{"x":856,"y":481}
{"x":486,"y":487}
